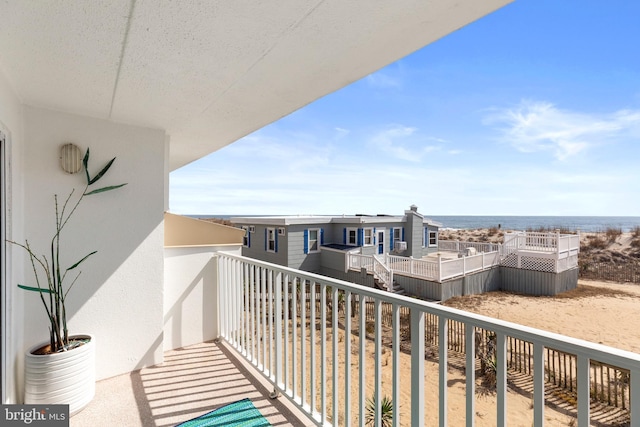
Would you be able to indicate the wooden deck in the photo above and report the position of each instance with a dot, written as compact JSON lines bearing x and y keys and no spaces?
{"x":192,"y":381}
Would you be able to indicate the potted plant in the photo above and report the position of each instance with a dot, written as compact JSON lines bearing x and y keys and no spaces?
{"x":61,"y":371}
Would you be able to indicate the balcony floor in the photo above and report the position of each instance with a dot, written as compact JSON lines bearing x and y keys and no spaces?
{"x":192,"y":381}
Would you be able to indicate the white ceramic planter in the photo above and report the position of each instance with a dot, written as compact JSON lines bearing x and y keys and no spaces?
{"x":62,"y":378}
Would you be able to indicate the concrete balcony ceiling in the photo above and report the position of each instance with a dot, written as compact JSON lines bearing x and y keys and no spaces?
{"x":209,"y":72}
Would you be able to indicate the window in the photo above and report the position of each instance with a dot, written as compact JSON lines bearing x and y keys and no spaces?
{"x":281,"y":231}
{"x":368,"y":236}
{"x":352,"y":236}
{"x":271,"y":239}
{"x":313,"y":240}
{"x":245,"y":238}
{"x":396,"y":237}
{"x":433,"y":238}
{"x":252,"y":229}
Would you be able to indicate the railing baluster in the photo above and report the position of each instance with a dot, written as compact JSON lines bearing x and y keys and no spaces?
{"x":323,"y":352}
{"x":395,"y":348}
{"x":347,"y":359}
{"x":378,"y":360}
{"x":294,"y":336}
{"x":244,"y":299}
{"x":245,"y":309}
{"x":501,"y":379}
{"x":303,"y":344}
{"x":229,"y":289}
{"x":443,"y":361}
{"x":234,"y":305}
{"x":252,"y":290}
{"x":312,"y":329}
{"x":584,"y":382}
{"x":222,"y":280}
{"x":634,"y":399}
{"x":278,"y":332}
{"x":270,"y":310}
{"x":417,"y":367}
{"x":362,"y":358}
{"x":538,"y":385}
{"x":335,"y":331}
{"x":470,"y":373}
{"x":287,"y":355}
{"x":263,"y":315}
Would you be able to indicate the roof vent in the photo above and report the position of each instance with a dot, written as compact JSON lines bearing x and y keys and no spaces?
{"x":414,"y":208}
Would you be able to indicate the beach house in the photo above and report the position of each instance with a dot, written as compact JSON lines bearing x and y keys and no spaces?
{"x":305,"y":241}
{"x":158,"y":85}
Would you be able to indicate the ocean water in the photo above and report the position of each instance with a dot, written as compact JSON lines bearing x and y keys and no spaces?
{"x":582,"y":223}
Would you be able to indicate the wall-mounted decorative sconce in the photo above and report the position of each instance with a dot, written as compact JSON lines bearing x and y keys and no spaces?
{"x":70,"y":158}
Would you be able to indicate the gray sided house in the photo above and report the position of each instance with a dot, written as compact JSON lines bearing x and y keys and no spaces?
{"x":320,"y":243}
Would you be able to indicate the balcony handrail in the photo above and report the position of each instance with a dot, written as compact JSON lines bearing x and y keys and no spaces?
{"x":237,"y":274}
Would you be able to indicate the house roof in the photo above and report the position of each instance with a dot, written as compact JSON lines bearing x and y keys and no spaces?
{"x":325,"y":219}
{"x":209,"y":72}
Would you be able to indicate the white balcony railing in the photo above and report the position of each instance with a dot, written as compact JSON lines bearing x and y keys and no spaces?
{"x":273,"y":315}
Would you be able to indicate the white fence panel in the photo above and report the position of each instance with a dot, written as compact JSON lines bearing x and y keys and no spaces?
{"x":451,"y":268}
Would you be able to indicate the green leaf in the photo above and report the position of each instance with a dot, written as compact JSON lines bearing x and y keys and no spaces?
{"x":102,"y":172}
{"x":31,"y":288}
{"x":103,"y":189}
{"x":79,"y":262}
{"x":85,"y":162}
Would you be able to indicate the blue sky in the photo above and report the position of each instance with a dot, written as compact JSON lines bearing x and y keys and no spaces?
{"x":532,"y":110}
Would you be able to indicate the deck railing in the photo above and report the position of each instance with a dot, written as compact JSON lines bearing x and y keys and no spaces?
{"x":459,"y":246}
{"x":436,"y":270}
{"x":541,"y":242}
{"x":383,"y":272}
{"x":266,"y":316}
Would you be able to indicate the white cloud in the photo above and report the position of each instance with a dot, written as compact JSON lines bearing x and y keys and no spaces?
{"x":541,"y":126}
{"x":403,"y":142}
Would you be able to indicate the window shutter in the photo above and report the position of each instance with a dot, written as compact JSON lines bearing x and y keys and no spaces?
{"x":360,"y":236}
{"x":375,"y":236}
{"x":322,"y":236}
{"x":306,"y":241}
{"x":248,"y":238}
{"x":275,"y":236}
{"x":403,"y":235}
{"x":266,"y":243}
{"x":391,"y":239}
{"x":344,"y":236}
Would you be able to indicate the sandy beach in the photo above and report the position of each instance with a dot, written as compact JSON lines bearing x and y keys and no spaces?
{"x":591,"y":312}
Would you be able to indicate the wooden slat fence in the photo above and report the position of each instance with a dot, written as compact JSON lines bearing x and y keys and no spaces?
{"x":610,"y":271}
{"x":609,"y":384}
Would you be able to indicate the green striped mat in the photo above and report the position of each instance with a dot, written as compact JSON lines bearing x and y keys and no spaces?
{"x":237,"y":414}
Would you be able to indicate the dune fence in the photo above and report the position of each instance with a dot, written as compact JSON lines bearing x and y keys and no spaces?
{"x":622,"y":273}
{"x":609,"y":384}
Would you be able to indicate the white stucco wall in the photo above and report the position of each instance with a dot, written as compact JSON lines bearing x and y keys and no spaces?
{"x":11,"y":124}
{"x":191,"y":294}
{"x":118,"y":298}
